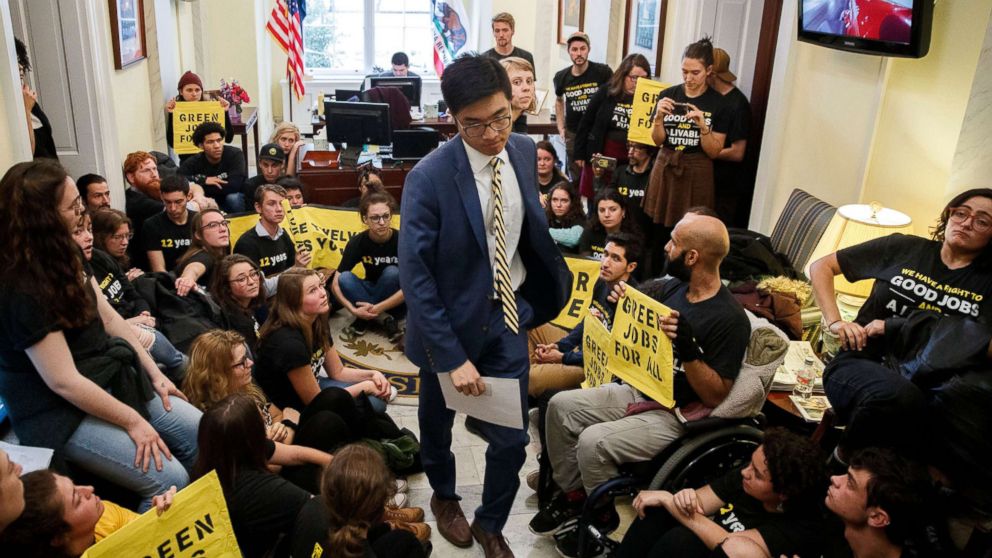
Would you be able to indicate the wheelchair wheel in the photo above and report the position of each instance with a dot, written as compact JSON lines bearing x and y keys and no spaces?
{"x":700,"y":459}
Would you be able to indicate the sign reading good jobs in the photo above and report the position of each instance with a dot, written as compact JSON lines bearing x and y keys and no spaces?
{"x":186,"y":117}
{"x":636,"y":350}
{"x":197,"y":524}
{"x":645,"y":98}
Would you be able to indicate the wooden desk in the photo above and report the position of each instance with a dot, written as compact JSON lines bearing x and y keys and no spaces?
{"x":326,"y":184}
{"x":248,"y":119}
{"x":537,"y":125}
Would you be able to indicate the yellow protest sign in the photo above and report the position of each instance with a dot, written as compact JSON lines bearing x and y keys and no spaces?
{"x":197,"y":524}
{"x":186,"y":117}
{"x":585,"y":272}
{"x":640,"y":353}
{"x":645,"y":98}
{"x":595,"y":358}
{"x":323,"y":230}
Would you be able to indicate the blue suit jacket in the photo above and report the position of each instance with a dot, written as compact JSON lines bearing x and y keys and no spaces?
{"x":445,"y":271}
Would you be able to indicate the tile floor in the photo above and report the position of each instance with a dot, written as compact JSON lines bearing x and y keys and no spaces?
{"x":470,"y":458}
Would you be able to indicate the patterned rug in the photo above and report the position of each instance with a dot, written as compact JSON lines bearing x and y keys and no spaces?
{"x":374,"y":351}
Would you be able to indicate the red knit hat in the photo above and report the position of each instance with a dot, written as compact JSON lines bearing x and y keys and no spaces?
{"x":189,"y":78}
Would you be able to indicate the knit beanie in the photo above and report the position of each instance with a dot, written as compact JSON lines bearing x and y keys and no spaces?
{"x":189,"y":78}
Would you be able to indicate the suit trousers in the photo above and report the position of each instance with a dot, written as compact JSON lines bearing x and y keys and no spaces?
{"x":504,"y":356}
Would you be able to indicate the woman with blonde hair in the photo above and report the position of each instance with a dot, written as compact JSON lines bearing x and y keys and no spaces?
{"x":349,"y":521}
{"x":220,"y":365}
{"x":521,"y":74}
{"x":287,"y":135}
{"x":295,"y":345}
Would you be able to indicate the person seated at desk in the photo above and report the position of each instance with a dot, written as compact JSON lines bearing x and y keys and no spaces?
{"x":271,"y":166}
{"x":401,"y":66}
{"x":219,"y":168}
{"x":377,"y":297}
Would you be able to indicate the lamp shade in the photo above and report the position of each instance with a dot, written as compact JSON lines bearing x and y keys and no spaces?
{"x":854,"y":224}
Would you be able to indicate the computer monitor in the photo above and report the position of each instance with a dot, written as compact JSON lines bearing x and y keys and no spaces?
{"x":409,"y":85}
{"x":357,"y":124}
{"x":415,"y":144}
{"x":347,"y":94}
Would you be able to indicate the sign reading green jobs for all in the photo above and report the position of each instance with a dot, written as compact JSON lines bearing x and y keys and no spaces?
{"x":186,"y":117}
{"x":636,"y":350}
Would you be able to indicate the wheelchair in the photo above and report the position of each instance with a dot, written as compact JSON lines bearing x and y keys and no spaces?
{"x":710,"y":448}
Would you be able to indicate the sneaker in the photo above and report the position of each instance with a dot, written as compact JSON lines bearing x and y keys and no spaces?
{"x":555,"y":515}
{"x":391,"y":327}
{"x":398,"y":501}
{"x":393,"y":394}
{"x":359,"y":326}
{"x":533,"y":479}
{"x":420,"y":530}
{"x":567,"y":542}
{"x":402,"y":487}
{"x":404,"y":515}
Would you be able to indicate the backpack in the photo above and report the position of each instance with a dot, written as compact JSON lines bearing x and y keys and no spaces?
{"x":180,"y":318}
{"x":752,"y":256}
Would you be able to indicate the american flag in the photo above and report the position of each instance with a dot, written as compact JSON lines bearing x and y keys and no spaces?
{"x":286,"y":27}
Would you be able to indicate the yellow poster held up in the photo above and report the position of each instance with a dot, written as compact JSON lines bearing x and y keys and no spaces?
{"x":645,"y":98}
{"x":641,"y":353}
{"x":585,"y":272}
{"x":596,"y":342}
{"x":197,"y":524}
{"x":186,"y":117}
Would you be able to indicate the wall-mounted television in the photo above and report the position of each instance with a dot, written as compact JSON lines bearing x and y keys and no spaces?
{"x":883,"y":27}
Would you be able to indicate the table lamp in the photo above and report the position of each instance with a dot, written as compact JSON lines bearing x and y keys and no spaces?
{"x":854,"y":224}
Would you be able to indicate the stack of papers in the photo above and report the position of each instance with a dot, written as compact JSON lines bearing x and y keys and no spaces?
{"x":785,"y":376}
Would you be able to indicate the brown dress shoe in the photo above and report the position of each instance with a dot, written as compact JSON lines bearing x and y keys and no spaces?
{"x":451,"y":521}
{"x":420,"y":530}
{"x":404,"y":515}
{"x":493,"y":544}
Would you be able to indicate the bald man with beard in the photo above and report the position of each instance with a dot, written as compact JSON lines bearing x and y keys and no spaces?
{"x":591,"y":432}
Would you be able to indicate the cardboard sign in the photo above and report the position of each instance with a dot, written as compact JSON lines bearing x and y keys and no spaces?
{"x":197,"y":524}
{"x":595,"y":353}
{"x":585,"y":271}
{"x":186,"y":117}
{"x":640,"y":353}
{"x":645,"y":98}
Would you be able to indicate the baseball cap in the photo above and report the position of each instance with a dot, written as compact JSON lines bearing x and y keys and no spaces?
{"x":273,"y":152}
{"x":578,"y":36}
{"x":721,"y":65}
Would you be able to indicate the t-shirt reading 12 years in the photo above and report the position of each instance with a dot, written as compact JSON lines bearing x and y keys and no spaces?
{"x":909,"y":275}
{"x":681,"y":133}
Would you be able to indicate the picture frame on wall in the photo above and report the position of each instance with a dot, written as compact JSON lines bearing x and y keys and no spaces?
{"x":571,"y":18}
{"x":644,"y":30}
{"x":127,"y":29}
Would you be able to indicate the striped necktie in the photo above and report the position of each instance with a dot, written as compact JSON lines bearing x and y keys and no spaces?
{"x":501,"y":267}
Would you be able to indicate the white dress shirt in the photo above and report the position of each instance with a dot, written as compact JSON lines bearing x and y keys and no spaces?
{"x":513,"y":208}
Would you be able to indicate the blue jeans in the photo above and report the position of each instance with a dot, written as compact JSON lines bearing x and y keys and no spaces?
{"x":378,"y":405}
{"x":107,"y":451}
{"x":232,"y":203}
{"x":165,"y":353}
{"x":505,"y":356}
{"x":360,"y":290}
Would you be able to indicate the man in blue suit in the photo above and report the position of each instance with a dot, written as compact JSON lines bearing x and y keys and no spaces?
{"x":478,"y":268}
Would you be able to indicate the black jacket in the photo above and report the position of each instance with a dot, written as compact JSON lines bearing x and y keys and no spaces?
{"x":591,"y":135}
{"x":930,"y":348}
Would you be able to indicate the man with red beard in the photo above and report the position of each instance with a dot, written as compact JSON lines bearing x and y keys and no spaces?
{"x":142,"y":199}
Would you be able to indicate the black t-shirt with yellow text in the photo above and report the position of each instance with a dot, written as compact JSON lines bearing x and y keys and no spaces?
{"x":681,"y":133}
{"x":578,"y":90}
